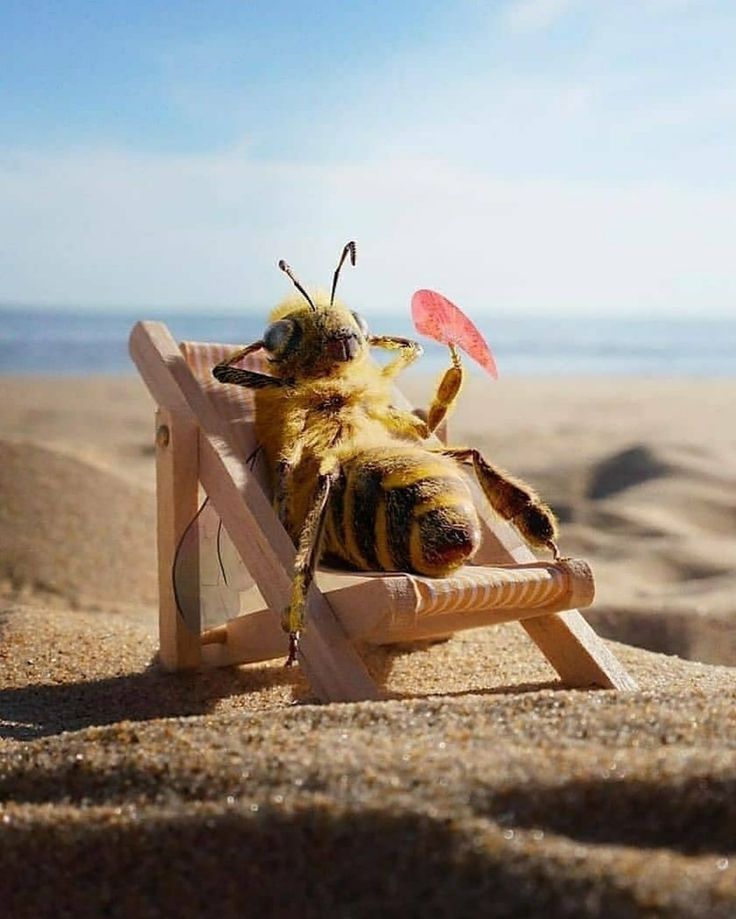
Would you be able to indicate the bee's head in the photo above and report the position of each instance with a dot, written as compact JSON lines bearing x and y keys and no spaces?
{"x":311,"y":336}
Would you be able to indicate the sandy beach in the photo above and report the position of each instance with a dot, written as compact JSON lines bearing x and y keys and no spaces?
{"x":482,"y":787}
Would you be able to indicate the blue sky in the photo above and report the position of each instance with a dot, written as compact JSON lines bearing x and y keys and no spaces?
{"x":520,"y":155}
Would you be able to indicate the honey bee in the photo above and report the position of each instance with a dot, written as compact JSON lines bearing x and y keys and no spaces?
{"x":353,"y":480}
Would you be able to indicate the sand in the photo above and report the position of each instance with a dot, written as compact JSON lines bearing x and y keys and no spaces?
{"x":481,"y":787}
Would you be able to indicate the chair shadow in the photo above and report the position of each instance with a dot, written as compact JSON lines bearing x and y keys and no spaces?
{"x":380,"y":662}
{"x":515,"y":689}
{"x":40,"y":710}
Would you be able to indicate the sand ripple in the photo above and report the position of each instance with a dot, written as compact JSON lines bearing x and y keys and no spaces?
{"x":72,"y":530}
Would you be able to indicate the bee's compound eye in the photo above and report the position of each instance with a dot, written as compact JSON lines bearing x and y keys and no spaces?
{"x":362,"y":324}
{"x":277,"y":335}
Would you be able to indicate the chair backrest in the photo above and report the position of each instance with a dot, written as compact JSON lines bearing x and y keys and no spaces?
{"x":234,"y":404}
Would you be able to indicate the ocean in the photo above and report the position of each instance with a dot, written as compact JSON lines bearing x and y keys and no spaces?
{"x":79,"y":342}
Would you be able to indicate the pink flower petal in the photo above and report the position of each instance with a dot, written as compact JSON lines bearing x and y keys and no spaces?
{"x":437,"y":318}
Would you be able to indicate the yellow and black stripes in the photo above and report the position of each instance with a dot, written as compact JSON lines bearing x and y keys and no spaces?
{"x":361,"y":504}
{"x":395,"y":511}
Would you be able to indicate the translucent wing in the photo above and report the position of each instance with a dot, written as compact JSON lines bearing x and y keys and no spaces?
{"x":436,"y":317}
{"x":209,"y":576}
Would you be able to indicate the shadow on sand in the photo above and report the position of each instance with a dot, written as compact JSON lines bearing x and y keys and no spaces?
{"x":310,"y":863}
{"x":39,"y":710}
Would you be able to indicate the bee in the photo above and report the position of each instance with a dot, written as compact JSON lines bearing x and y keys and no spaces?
{"x":354,"y":480}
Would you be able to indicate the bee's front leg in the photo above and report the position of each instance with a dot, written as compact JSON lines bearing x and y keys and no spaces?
{"x":407,"y":352}
{"x":307,"y":556}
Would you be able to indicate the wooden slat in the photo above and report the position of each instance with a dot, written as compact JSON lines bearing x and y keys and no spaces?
{"x":331,"y":664}
{"x":380,"y":609}
{"x":244,"y":640}
{"x":234,"y":404}
{"x":247,"y":639}
{"x":176,"y":504}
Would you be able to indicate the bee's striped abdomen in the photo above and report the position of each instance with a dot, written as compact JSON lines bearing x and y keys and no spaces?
{"x":402,"y":511}
{"x":364,"y":492}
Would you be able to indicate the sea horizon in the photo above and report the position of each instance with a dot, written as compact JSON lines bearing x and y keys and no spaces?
{"x":68,"y":340}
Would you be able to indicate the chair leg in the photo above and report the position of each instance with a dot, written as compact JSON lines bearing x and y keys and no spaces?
{"x":177,"y":468}
{"x":577,"y":653}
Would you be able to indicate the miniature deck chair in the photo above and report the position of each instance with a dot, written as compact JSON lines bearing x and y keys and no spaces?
{"x":205,"y":435}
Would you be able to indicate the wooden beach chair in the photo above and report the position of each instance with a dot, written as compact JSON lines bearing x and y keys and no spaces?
{"x":204,"y":435}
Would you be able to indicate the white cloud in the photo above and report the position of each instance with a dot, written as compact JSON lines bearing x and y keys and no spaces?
{"x":529,"y":15}
{"x":106,"y":227}
{"x":670,"y":6}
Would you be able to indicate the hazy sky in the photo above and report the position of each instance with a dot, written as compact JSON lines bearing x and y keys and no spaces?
{"x":520,"y":155}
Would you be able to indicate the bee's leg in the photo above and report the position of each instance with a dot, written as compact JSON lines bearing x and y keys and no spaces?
{"x":512,"y":499}
{"x":287,"y":461}
{"x":448,"y":390}
{"x":307,"y":555}
{"x":408,"y":350}
{"x":401,"y":423}
{"x":281,"y":492}
{"x":224,"y":372}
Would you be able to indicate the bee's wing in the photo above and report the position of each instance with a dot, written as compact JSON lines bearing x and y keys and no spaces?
{"x":209,"y":576}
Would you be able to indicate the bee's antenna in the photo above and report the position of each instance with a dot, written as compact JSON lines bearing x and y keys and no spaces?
{"x":287,"y":270}
{"x":349,"y":248}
